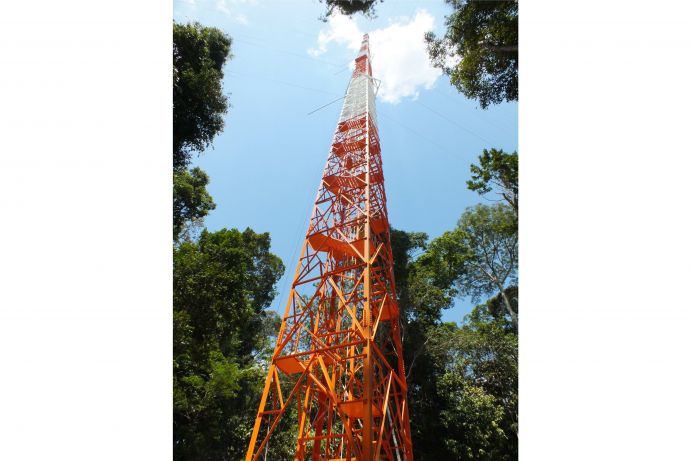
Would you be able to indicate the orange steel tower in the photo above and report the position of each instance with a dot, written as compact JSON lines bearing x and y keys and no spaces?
{"x":338,"y":362}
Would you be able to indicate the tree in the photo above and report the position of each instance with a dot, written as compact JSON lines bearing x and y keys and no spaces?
{"x":191,"y":200}
{"x":421,"y":303}
{"x":480,"y":256}
{"x":479,"y":386}
{"x":462,"y":381}
{"x":471,"y":421}
{"x":350,"y":7}
{"x":479,"y":51}
{"x":499,"y":170}
{"x":199,"y":54}
{"x":495,"y":305}
{"x":222,"y":340}
{"x":199,"y":104}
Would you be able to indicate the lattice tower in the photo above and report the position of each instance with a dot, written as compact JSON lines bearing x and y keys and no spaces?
{"x":338,"y":361}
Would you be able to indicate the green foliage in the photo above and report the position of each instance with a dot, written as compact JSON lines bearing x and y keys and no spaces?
{"x":499,"y":170}
{"x":472,"y":420}
{"x":462,"y":381}
{"x":199,"y":104}
{"x":480,"y":256}
{"x":350,"y":7}
{"x":421,"y":303}
{"x":485,"y":358}
{"x":477,"y":387}
{"x":479,"y":51}
{"x":191,"y":200}
{"x":222,"y":285}
{"x":224,"y":376}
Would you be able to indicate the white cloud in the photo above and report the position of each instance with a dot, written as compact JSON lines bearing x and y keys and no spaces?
{"x":242,"y":19}
{"x":222,"y":6}
{"x":342,"y":30}
{"x":399,"y":53}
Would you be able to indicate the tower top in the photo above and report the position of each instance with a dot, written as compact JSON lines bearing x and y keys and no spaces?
{"x":364,"y":47}
{"x":363,"y":59}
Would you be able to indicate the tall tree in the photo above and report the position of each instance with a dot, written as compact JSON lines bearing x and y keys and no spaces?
{"x":480,"y":256}
{"x":199,"y":104}
{"x":479,"y":51}
{"x":199,"y":54}
{"x":498,"y":171}
{"x":421,"y":303}
{"x":462,"y":381}
{"x":222,"y":337}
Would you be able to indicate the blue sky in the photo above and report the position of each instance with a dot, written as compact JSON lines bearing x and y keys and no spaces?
{"x":266,"y":165}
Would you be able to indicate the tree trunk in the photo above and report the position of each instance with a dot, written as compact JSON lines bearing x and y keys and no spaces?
{"x":507,"y":304}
